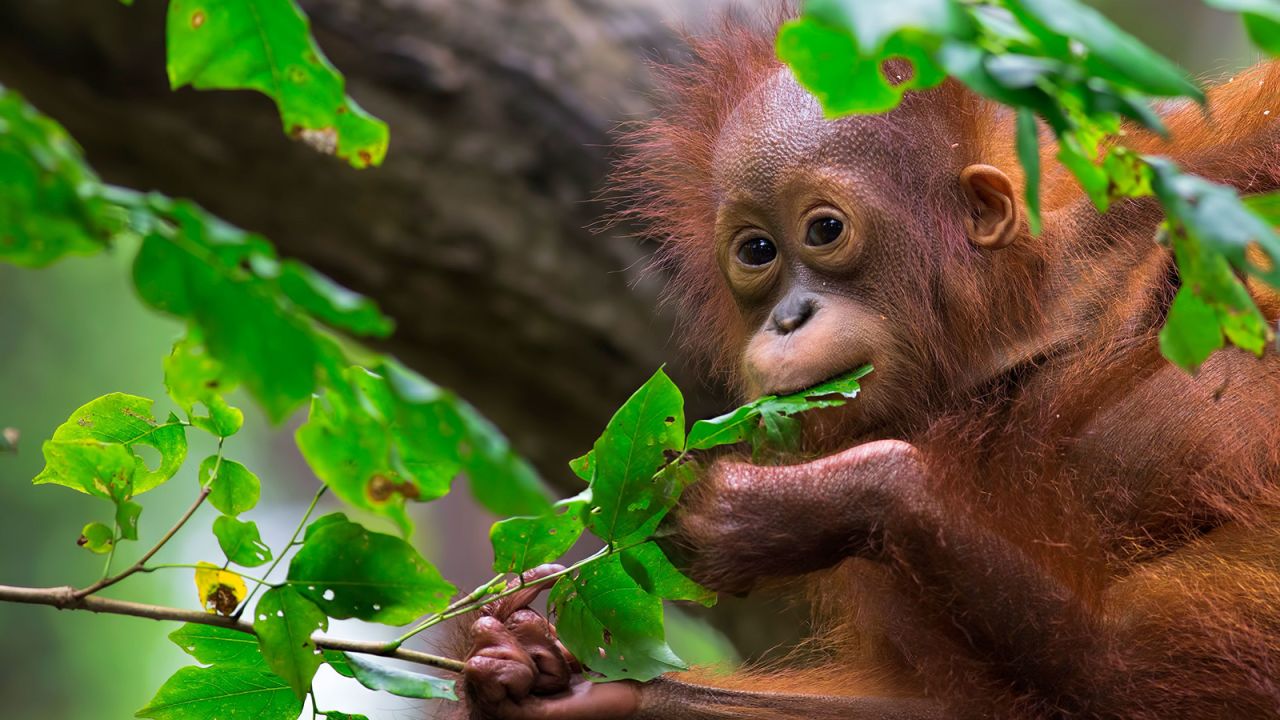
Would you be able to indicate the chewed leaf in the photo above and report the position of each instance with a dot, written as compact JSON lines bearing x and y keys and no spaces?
{"x":93,"y":450}
{"x":220,"y":591}
{"x":378,"y":676}
{"x":266,"y":45}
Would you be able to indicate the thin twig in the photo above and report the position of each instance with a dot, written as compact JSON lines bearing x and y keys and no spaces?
{"x":292,"y":541}
{"x":66,"y":598}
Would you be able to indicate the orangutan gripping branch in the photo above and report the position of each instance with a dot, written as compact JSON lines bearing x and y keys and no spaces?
{"x":1028,"y":513}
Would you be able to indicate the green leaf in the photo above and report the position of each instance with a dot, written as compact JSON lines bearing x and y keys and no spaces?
{"x":837,"y":47}
{"x":241,"y":542}
{"x":192,"y":376}
{"x":585,"y":466}
{"x":351,"y":572}
{"x":1261,"y":20}
{"x":377,"y":676}
{"x":195,"y":693}
{"x":93,"y":450}
{"x":1122,"y":57}
{"x":266,"y":45}
{"x":1266,"y":206}
{"x":331,"y":715}
{"x":521,"y":543}
{"x":332,"y":304}
{"x":654,"y":573}
{"x":219,"y":646}
{"x":338,"y":661}
{"x":1029,"y":156}
{"x":321,"y":522}
{"x":50,"y":207}
{"x":127,"y":514}
{"x":205,"y":272}
{"x":1191,"y":332}
{"x":234,"y":489}
{"x":611,"y":624}
{"x":631,"y":451}
{"x":97,"y":538}
{"x":284,"y":622}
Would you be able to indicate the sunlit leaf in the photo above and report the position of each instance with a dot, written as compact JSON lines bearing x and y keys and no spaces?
{"x":378,"y":676}
{"x":97,"y":538}
{"x":234,"y":489}
{"x":266,"y":45}
{"x":241,"y":542}
{"x":102,"y":434}
{"x":284,"y":622}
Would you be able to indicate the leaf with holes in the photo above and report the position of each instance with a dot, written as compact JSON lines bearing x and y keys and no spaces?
{"x":611,"y":624}
{"x":211,"y":645}
{"x":635,"y":445}
{"x":93,"y":450}
{"x":351,"y":572}
{"x":521,"y":543}
{"x":266,"y":45}
{"x":284,"y":622}
{"x":241,"y":542}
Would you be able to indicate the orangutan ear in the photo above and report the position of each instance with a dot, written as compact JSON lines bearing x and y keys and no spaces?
{"x":993,"y":220}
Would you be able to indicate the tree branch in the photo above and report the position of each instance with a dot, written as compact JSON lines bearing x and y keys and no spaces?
{"x":66,"y":598}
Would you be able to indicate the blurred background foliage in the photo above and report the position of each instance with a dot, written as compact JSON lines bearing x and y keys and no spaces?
{"x":75,"y":331}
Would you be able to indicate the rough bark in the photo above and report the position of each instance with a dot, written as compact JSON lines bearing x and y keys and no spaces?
{"x":475,"y":234}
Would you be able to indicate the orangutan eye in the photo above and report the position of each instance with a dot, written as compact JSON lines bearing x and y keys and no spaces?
{"x":757,"y":251}
{"x":823,"y":231}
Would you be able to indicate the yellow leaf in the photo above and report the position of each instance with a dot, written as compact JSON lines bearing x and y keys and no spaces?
{"x":220,"y":591}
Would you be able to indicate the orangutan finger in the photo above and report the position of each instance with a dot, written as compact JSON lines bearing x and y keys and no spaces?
{"x":536,"y":638}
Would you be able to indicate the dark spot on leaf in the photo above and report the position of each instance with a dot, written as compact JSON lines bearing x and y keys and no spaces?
{"x":84,"y":422}
{"x":365,"y":157}
{"x":670,"y":419}
{"x":551,"y":531}
{"x":197,"y":18}
{"x":211,"y":384}
{"x":82,"y":541}
{"x":223,"y":599}
{"x":608,"y":637}
{"x":380,"y":488}
{"x":341,"y":110}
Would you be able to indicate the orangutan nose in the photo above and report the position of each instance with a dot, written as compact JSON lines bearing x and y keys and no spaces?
{"x":792,"y":313}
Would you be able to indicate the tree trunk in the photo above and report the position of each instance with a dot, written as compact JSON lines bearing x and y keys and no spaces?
{"x":475,"y":234}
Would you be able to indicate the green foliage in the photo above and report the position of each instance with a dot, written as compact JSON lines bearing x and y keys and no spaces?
{"x":51,"y":206}
{"x":377,"y":676}
{"x":521,"y":543}
{"x":1082,"y":76}
{"x":94,"y":450}
{"x":196,"y":693}
{"x":241,"y":542}
{"x":97,"y":538}
{"x":352,"y":572}
{"x":284,"y":622}
{"x":193,"y":377}
{"x":211,"y":645}
{"x":233,"y":489}
{"x":1261,"y":20}
{"x":612,"y":624}
{"x":266,"y":45}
